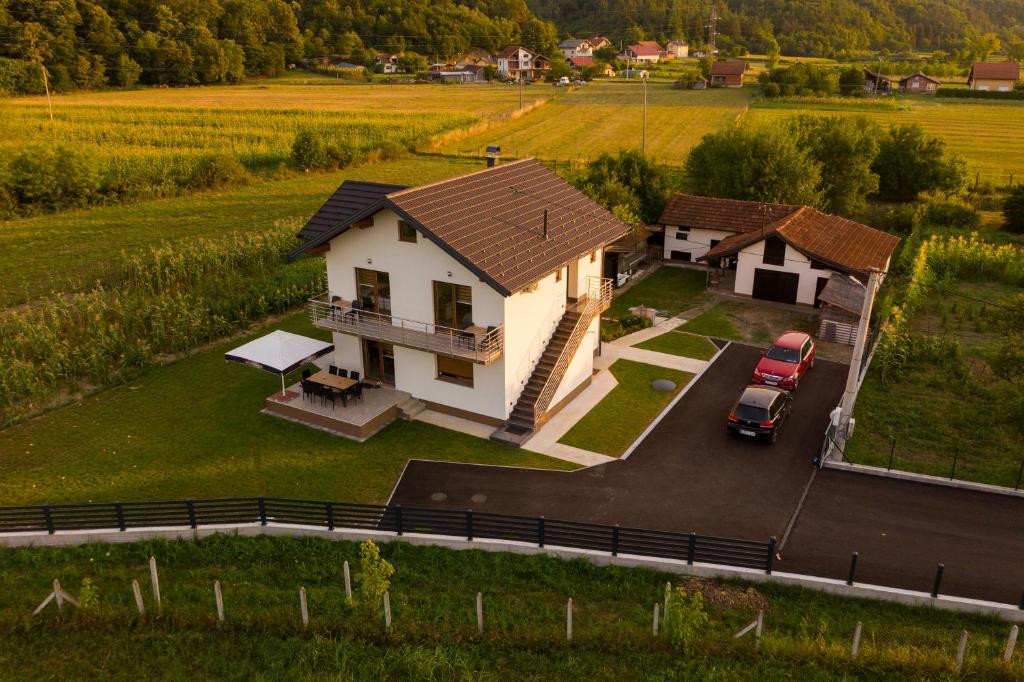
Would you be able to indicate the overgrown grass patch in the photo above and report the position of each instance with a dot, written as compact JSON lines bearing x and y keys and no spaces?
{"x":615,"y":422}
{"x":713,"y":322}
{"x":668,"y":290}
{"x":680,"y":343}
{"x":434,"y":636}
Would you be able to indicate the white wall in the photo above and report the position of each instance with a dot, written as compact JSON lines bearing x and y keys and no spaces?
{"x":752,"y":258}
{"x":697,"y":243}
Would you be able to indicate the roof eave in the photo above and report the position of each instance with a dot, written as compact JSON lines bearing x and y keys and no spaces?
{"x":337,"y":230}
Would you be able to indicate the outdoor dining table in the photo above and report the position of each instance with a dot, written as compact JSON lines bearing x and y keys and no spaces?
{"x":334,"y":381}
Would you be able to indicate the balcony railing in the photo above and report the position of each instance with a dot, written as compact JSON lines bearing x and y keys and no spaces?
{"x":482,"y":346}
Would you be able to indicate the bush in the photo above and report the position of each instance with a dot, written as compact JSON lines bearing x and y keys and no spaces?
{"x":979,"y":94}
{"x":216,"y":170}
{"x":1013,"y":211}
{"x":948,"y":212}
{"x":771,"y":90}
{"x":374,"y":577}
{"x":53,"y":178}
{"x":685,"y":619}
{"x":910,"y":162}
{"x":309,"y":152}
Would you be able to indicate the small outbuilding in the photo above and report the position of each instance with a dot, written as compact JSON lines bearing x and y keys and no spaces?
{"x":919,"y":83}
{"x":728,"y":73}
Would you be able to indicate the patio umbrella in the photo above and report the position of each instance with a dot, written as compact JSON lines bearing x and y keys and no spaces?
{"x":280,"y":352}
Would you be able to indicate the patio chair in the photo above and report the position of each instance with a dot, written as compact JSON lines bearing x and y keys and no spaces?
{"x":356,"y":392}
{"x":308,"y":389}
{"x":333,"y":370}
{"x":354,"y":375}
{"x":342,"y":372}
{"x":306,"y":374}
{"x":328,"y":396}
{"x":339,"y":394}
{"x":353,"y":314}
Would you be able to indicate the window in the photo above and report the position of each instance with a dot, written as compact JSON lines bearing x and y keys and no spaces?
{"x":406,"y":232}
{"x":774,"y":251}
{"x":684,"y":256}
{"x":683,"y":234}
{"x":818,"y":265}
{"x":453,"y":305}
{"x":593,"y":256}
{"x":454,"y":370}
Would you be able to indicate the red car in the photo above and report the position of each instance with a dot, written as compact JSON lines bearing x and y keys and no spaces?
{"x":786,"y":361}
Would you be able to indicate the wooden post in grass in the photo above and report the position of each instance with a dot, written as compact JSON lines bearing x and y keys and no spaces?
{"x":387,"y":610}
{"x":568,"y":620}
{"x":757,"y":630}
{"x":961,"y":650}
{"x":479,"y":614}
{"x":668,"y":593}
{"x":348,"y":584}
{"x":137,"y":591}
{"x":1011,"y":643}
{"x":655,"y":619}
{"x":154,"y":579}
{"x":219,"y":598}
{"x":856,"y":642}
{"x":302,"y":607}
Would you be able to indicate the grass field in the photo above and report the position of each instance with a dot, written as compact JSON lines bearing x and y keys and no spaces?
{"x":806,"y":634}
{"x":622,"y":415}
{"x":668,"y":290}
{"x":193,"y":428}
{"x":987,"y":133}
{"x":680,"y":343}
{"x":606,"y":117}
{"x":47,"y":253}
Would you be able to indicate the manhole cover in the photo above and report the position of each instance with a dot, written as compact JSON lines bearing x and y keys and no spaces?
{"x":663,"y":385}
{"x":439,"y":497}
{"x":479,"y":498}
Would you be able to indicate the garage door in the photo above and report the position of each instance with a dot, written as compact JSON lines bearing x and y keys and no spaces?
{"x":775,"y":285}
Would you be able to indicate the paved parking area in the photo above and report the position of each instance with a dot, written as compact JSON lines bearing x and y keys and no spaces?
{"x":688,"y":474}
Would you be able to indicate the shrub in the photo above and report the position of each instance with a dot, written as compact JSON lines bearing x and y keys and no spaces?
{"x":1013,"y":211}
{"x":910,"y":162}
{"x":53,"y":178}
{"x":686,"y":619}
{"x":948,"y":212}
{"x":374,"y":577}
{"x":771,"y":90}
{"x":309,"y":152}
{"x":216,"y":170}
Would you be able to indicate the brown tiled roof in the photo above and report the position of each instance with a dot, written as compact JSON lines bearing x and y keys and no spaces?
{"x":1008,"y":70}
{"x":352,"y":197}
{"x":728,"y":68}
{"x":841,"y":243}
{"x":509,"y":50}
{"x":492,"y":221}
{"x":919,"y":74}
{"x":727,"y":215}
{"x":581,"y":61}
{"x":642,"y":50}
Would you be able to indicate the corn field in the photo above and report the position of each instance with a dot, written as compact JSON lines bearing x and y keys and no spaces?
{"x":167,"y":301}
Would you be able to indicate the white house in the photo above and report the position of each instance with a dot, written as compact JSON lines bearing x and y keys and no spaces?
{"x":574,"y":47}
{"x":644,"y":52}
{"x":479,"y":295}
{"x":515,"y":62}
{"x":679,"y":49}
{"x":791,"y":255}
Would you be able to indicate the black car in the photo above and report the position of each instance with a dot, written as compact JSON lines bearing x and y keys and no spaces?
{"x":760,"y":412}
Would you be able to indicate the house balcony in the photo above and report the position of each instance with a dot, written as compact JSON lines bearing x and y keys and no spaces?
{"x":475,"y":344}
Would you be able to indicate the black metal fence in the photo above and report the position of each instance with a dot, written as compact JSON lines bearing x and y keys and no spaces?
{"x":541,"y":531}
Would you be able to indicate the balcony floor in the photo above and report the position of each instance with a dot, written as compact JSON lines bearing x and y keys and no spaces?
{"x":360,"y":420}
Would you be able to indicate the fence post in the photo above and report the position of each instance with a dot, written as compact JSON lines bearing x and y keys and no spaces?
{"x":329,"y":510}
{"x":263,"y":511}
{"x":771,"y":555}
{"x":398,"y":518}
{"x":469,"y":525}
{"x":615,"y":540}
{"x":892,"y":451}
{"x":48,"y":518}
{"x":961,"y":650}
{"x":190,"y":508}
{"x":303,"y":610}
{"x":757,"y":630}
{"x":480,"y":614}
{"x":387,"y":610}
{"x":219,"y":598}
{"x":691,"y":548}
{"x":855,"y":647}
{"x":853,"y":567}
{"x":938,"y":580}
{"x":956,"y":456}
{"x":540,"y":531}
{"x":348,"y":583}
{"x":668,"y":594}
{"x":656,"y":619}
{"x":119,"y":511}
{"x":568,"y":620}
{"x":1011,"y":643}
{"x":138,"y":597}
{"x":154,"y":579}
{"x":1020,"y":474}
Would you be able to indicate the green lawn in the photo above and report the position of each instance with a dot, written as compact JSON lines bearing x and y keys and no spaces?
{"x":713,"y":322}
{"x":193,"y":428}
{"x":669,"y":290}
{"x":615,"y":422}
{"x":680,"y":343}
{"x":806,"y":634}
{"x":58,"y":252}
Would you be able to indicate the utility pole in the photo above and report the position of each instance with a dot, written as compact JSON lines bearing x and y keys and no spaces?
{"x":850,"y":395}
{"x":520,"y":87}
{"x":712,"y":32}
{"x":46,"y":86}
{"x":643,"y":130}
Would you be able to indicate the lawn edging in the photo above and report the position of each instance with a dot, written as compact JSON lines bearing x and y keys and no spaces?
{"x":672,"y":403}
{"x":1007,"y":612}
{"x":898,"y":474}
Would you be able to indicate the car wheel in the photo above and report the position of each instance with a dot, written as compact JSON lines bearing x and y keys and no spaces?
{"x":812,"y":363}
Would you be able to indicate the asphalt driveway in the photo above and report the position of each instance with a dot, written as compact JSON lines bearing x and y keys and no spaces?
{"x":689,"y":474}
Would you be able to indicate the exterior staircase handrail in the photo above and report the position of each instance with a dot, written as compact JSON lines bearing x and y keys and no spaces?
{"x":599,"y":296}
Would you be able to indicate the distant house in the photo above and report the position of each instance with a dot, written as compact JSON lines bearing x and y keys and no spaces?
{"x":644,"y":52}
{"x":475,"y":56}
{"x":389,"y":62}
{"x":607,"y":70}
{"x":728,"y":73}
{"x":598,"y":41}
{"x":919,"y":82}
{"x":679,"y":49}
{"x":574,"y":47}
{"x":467,"y":74}
{"x":876,"y":84}
{"x":994,"y":76}
{"x":634,"y":73}
{"x":580,"y":63}
{"x":515,"y":62}
{"x":348,"y":66}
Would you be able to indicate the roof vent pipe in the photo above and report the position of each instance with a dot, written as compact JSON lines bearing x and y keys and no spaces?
{"x":545,"y":224}
{"x":493,"y":154}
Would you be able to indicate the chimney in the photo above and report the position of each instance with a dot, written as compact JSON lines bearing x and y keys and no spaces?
{"x":545,"y":224}
{"x":493,"y":153}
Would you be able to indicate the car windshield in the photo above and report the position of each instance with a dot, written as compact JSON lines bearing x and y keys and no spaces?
{"x":751,"y":413}
{"x":783,"y":354}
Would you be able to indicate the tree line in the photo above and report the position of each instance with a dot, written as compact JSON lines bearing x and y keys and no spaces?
{"x":86,"y":44}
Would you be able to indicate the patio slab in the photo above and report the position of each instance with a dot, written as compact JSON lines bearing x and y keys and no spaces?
{"x":358,"y":421}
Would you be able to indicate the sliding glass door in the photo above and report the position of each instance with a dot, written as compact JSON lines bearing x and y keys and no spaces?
{"x":373,"y":290}
{"x":453,"y":305}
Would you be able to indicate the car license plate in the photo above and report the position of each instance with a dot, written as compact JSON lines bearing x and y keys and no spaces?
{"x":771,"y":383}
{"x":746,"y":432}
